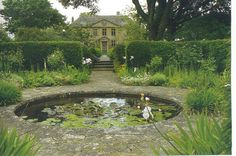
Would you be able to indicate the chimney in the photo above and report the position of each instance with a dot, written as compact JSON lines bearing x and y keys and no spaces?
{"x":118,"y":13}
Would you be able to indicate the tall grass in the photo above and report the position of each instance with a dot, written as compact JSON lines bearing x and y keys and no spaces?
{"x":12,"y":144}
{"x":202,"y":136}
{"x":9,"y":93}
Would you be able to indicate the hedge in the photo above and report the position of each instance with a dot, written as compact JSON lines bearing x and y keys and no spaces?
{"x":184,"y":54}
{"x":36,"y":52}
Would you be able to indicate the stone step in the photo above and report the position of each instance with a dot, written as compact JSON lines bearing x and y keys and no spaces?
{"x":103,"y":66}
{"x":104,"y":62}
{"x":103,"y":69}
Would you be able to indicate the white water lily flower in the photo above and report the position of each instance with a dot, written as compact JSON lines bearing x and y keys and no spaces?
{"x":147,"y":112}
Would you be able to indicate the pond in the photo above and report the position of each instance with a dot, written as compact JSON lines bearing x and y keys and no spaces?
{"x":96,"y":111}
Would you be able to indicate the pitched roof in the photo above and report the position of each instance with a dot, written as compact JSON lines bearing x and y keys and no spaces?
{"x":85,"y":20}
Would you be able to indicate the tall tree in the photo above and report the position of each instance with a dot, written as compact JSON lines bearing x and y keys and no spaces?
{"x":165,"y":16}
{"x":30,"y":13}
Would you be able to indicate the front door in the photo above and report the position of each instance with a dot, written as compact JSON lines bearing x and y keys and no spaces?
{"x":104,"y":46}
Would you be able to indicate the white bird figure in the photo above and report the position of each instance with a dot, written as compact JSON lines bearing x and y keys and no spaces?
{"x":147,"y":112}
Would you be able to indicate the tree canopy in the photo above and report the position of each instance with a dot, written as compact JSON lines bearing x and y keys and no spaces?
{"x":91,"y":4}
{"x":30,"y":13}
{"x":212,"y":26}
{"x":165,"y":16}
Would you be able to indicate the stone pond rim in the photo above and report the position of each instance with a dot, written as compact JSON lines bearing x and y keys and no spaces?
{"x":106,"y":94}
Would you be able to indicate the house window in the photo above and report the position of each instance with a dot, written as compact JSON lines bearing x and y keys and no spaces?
{"x":113,"y":32}
{"x":113,"y":43}
{"x":104,"y":32}
{"x":95,"y":32}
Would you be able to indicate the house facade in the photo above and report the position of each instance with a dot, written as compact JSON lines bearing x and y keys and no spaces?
{"x":106,"y":31}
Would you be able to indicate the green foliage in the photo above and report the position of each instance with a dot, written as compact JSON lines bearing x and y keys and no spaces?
{"x":35,"y":53}
{"x":30,"y":14}
{"x":3,"y":35}
{"x":158,"y":79}
{"x":11,"y":60}
{"x":134,"y":30}
{"x":67,"y":76}
{"x":12,"y":144}
{"x":203,"y":136}
{"x":9,"y":93}
{"x":155,"y":64}
{"x":211,"y":26}
{"x":182,"y":54}
{"x":56,"y":60}
{"x":203,"y":100}
{"x":37,"y":34}
{"x":118,"y":54}
{"x":208,"y":65}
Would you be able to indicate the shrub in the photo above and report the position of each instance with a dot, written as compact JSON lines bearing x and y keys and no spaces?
{"x":202,"y":100}
{"x":11,"y":60}
{"x":9,"y":93}
{"x":155,"y":64}
{"x":117,"y":54}
{"x":13,"y":144}
{"x":56,"y":60}
{"x":158,"y":79}
{"x":35,"y":53}
{"x":202,"y":136}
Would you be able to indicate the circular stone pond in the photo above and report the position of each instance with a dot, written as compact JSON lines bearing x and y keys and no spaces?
{"x":95,"y":110}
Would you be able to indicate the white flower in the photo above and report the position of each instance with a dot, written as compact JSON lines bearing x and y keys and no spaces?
{"x":135,"y":69}
{"x":227,"y":85}
{"x":124,"y":57}
{"x":131,"y":58}
{"x":147,"y":99}
{"x":147,"y":112}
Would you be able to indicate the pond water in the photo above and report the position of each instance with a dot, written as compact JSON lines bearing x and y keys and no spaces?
{"x":96,"y":112}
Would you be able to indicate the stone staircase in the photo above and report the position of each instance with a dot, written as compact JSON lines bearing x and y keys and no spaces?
{"x":104,"y":64}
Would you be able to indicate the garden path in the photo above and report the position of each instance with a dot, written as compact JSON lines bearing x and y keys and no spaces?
{"x":131,"y":141}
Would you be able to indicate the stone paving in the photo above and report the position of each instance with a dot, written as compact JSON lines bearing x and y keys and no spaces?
{"x":130,"y":141}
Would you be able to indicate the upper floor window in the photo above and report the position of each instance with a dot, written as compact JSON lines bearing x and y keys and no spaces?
{"x":104,"y":32}
{"x":95,"y":32}
{"x":113,"y":43}
{"x":113,"y":32}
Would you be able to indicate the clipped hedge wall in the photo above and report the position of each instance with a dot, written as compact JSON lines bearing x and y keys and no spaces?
{"x":36,"y":52}
{"x":183,"y":54}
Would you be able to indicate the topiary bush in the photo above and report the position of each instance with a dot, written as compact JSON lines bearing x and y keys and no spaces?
{"x":9,"y":93}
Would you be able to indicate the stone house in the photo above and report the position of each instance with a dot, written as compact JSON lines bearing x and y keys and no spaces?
{"x":107,"y":31}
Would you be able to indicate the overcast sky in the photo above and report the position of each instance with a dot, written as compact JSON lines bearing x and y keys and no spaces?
{"x":107,"y":7}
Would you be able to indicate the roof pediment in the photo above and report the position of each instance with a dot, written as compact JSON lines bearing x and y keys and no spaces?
{"x":104,"y":23}
{"x":88,"y":21}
